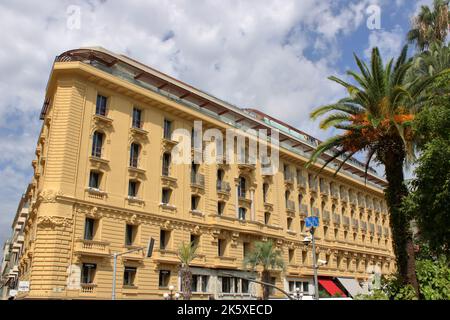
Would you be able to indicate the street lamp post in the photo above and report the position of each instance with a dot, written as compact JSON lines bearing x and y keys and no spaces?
{"x":149,"y":248}
{"x":115,"y":255}
{"x":315,"y":266}
{"x":298,"y":293}
{"x":171,"y":295}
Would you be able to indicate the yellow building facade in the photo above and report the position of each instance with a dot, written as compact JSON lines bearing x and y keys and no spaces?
{"x":105,"y":182}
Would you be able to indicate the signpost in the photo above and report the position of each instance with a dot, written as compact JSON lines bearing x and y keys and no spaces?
{"x":312,"y":222}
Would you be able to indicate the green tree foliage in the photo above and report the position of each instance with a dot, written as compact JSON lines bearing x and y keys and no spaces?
{"x":267,"y":256}
{"x":376,"y":118}
{"x":430,"y":25}
{"x":429,"y":201}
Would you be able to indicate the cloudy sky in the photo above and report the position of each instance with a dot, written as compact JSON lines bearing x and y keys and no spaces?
{"x":271,"y":55}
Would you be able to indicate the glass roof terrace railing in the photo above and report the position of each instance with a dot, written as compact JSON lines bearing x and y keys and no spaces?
{"x":122,"y":73}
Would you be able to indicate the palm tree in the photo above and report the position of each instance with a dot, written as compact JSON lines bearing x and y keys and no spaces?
{"x":431,"y":62}
{"x":430,"y":26}
{"x":186,"y":253}
{"x":268,"y":257}
{"x":376,"y":118}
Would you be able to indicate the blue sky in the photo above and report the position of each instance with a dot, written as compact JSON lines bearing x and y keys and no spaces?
{"x":272,"y":55}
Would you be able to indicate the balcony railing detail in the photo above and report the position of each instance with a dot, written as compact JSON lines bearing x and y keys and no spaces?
{"x":303,"y":210}
{"x":198,"y":180}
{"x":371,"y":228}
{"x":336,"y":219}
{"x":223,"y":187}
{"x":290,"y":205}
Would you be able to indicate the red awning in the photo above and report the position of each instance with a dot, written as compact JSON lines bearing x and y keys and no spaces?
{"x":331,"y":287}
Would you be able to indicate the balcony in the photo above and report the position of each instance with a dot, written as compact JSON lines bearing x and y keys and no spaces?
{"x":326,"y":216}
{"x":102,"y":121}
{"x":289,"y":178}
{"x":315,"y":212}
{"x":386,"y":232}
{"x":20,"y":238}
{"x":334,"y":193}
{"x":379,"y":231}
{"x":92,"y":248}
{"x":324,"y":189}
{"x":303,"y":210}
{"x":88,"y":288}
{"x":346,"y":221}
{"x":301,"y":182}
{"x":197,"y":181}
{"x":313,"y":186}
{"x":363,"y":226}
{"x":336,"y":219}
{"x":246,"y":167}
{"x":355,"y":224}
{"x":344,"y":197}
{"x":290,"y":206}
{"x":371,"y":228}
{"x":223,"y":187}
{"x":166,"y":180}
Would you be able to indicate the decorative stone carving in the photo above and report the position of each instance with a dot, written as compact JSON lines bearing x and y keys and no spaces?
{"x":49,"y":196}
{"x":53,"y":221}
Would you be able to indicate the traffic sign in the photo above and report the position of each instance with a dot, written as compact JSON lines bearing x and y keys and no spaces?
{"x":312,"y":222}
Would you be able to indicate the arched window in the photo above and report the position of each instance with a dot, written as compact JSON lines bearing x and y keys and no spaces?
{"x":134,"y":155}
{"x":242,"y":187}
{"x":97,"y":144}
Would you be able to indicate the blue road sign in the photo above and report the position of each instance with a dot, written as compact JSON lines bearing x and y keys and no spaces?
{"x":312,"y":222}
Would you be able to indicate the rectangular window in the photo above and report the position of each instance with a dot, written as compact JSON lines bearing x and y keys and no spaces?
{"x":130,"y":232}
{"x":195,"y":240}
{"x":133,"y":188}
{"x":129,"y":276}
{"x":164,"y":278}
{"x":220,"y":207}
{"x":167,"y":129}
{"x":226,"y":284}
{"x":89,"y":229}
{"x":205,"y":280}
{"x":291,"y":256}
{"x":166,"y":196}
{"x":267,"y":217}
{"x":242,"y":212}
{"x":137,"y":113}
{"x":94,"y":180}
{"x":245,"y":286}
{"x":221,"y":247}
{"x":100,"y":107}
{"x":166,"y":164}
{"x":164,"y":236}
{"x":194,"y":283}
{"x":245,"y":249}
{"x":88,"y":272}
{"x":194,"y":202}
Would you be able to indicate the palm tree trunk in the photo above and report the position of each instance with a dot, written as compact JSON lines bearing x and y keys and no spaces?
{"x":266,"y":289}
{"x":186,"y":278}
{"x":400,"y":224}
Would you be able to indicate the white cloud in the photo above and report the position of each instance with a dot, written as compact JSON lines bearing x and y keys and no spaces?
{"x":389,"y":43}
{"x":250,"y":53}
